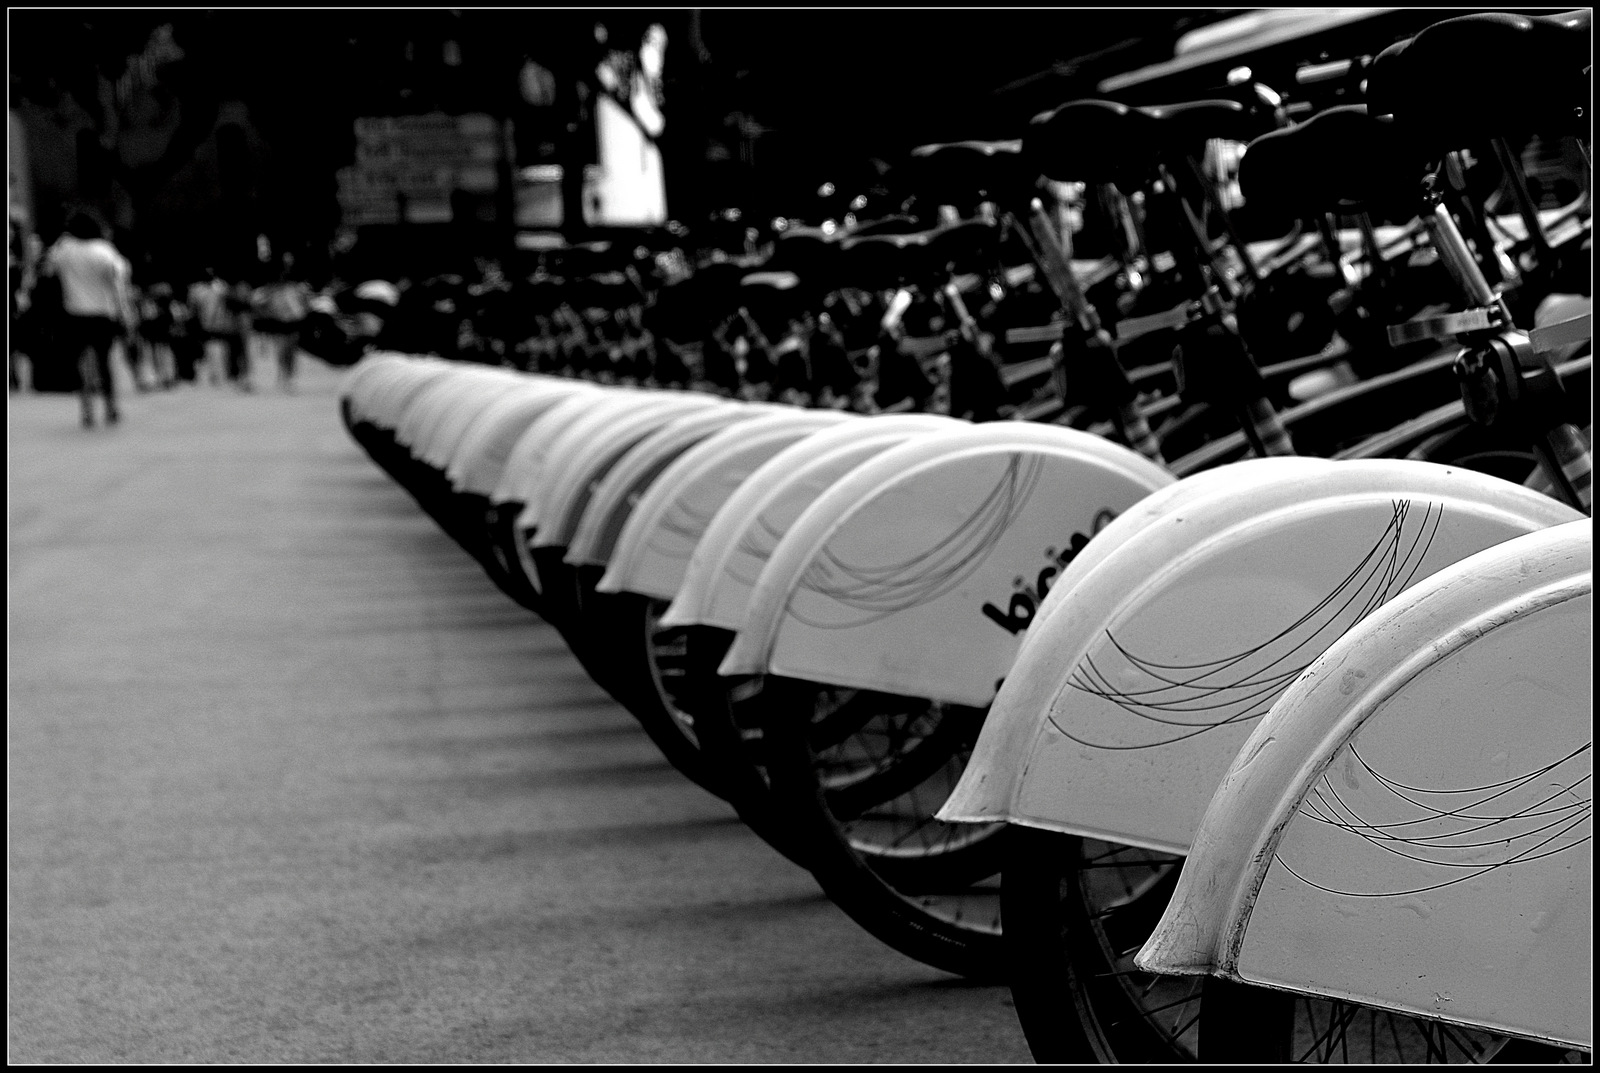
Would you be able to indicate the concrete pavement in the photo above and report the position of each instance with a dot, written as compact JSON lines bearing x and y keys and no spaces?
{"x":290,"y":781}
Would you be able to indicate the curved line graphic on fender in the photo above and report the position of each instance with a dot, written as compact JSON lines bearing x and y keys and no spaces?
{"x":882,"y":591}
{"x":1464,"y":832}
{"x":1191,"y":699}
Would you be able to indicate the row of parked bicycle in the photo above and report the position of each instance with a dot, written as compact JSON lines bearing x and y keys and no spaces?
{"x":1259,"y":737}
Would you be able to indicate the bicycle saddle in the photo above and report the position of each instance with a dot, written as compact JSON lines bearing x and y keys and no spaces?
{"x":605,"y":290}
{"x":804,"y":250}
{"x":964,"y":244}
{"x":1189,"y":124}
{"x":1342,"y":159}
{"x":1479,"y":76}
{"x":1084,"y":140}
{"x":964,"y":171}
{"x":775,"y":282}
{"x":878,"y":262}
{"x":886,"y":225}
{"x":1095,"y":140}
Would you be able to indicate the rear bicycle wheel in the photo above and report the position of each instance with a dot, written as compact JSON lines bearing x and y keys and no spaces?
{"x":926,"y":888}
{"x":1253,"y":1024}
{"x":648,"y":671}
{"x":1077,"y":910}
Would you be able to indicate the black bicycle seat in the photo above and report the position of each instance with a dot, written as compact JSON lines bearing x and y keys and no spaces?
{"x":605,"y":290}
{"x":1086,"y":140}
{"x":878,"y":262}
{"x":772,"y":298}
{"x":953,"y":172}
{"x":807,"y":250}
{"x":1479,"y":76}
{"x":1342,"y":159}
{"x":775,"y":282}
{"x":1189,"y":124}
{"x":886,"y":225}
{"x":965,"y":244}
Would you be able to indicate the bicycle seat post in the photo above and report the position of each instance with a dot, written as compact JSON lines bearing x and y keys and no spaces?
{"x":1098,"y":363}
{"x":1455,"y":254}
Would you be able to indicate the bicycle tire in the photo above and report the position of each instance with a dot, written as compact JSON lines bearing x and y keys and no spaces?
{"x":1079,"y":914}
{"x":1071,"y":948}
{"x":1246,"y":1024}
{"x":500,"y":533}
{"x":646,"y":679}
{"x":938,"y":904}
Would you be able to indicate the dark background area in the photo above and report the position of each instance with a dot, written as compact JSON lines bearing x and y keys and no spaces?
{"x":193,"y":140}
{"x":250,"y":113}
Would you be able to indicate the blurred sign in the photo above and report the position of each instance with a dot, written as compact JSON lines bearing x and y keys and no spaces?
{"x":413,"y":164}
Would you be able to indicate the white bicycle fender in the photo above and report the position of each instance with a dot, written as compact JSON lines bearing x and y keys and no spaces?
{"x":588,"y":452}
{"x":1233,"y":477}
{"x":622,"y":487}
{"x":740,"y":539}
{"x":528,"y":452}
{"x":423,"y":417}
{"x":483,"y":454}
{"x":375,"y":390}
{"x":652,"y":552}
{"x":457,"y":422}
{"x":1163,"y":657}
{"x":362,"y":379}
{"x":898,"y":577}
{"x":1421,"y":797}
{"x":405,"y":391}
{"x":528,"y":473}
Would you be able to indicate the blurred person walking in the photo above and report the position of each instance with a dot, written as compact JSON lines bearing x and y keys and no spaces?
{"x":155,"y":334}
{"x":94,"y":280}
{"x":19,"y":276}
{"x":217,"y":308}
{"x":280,"y":312}
{"x":188,"y":339}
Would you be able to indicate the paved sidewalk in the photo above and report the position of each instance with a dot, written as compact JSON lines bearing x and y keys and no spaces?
{"x":290,"y":781}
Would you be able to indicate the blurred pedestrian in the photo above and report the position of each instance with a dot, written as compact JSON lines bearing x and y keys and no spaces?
{"x":95,"y":297}
{"x":155,"y":333}
{"x":19,"y":273}
{"x":217,"y":312}
{"x":187,"y":338}
{"x":280,"y":314}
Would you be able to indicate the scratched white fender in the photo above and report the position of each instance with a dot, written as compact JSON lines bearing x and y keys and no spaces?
{"x":625,"y":483}
{"x":587,"y":451}
{"x":899,"y":576}
{"x":652,"y":552}
{"x":1039,"y":664}
{"x":739,"y":541}
{"x":1233,"y":477}
{"x":483,"y":454}
{"x":1411,"y":826}
{"x":1143,"y":684}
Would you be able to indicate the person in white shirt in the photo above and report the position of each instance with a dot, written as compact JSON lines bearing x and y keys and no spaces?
{"x":95,"y":298}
